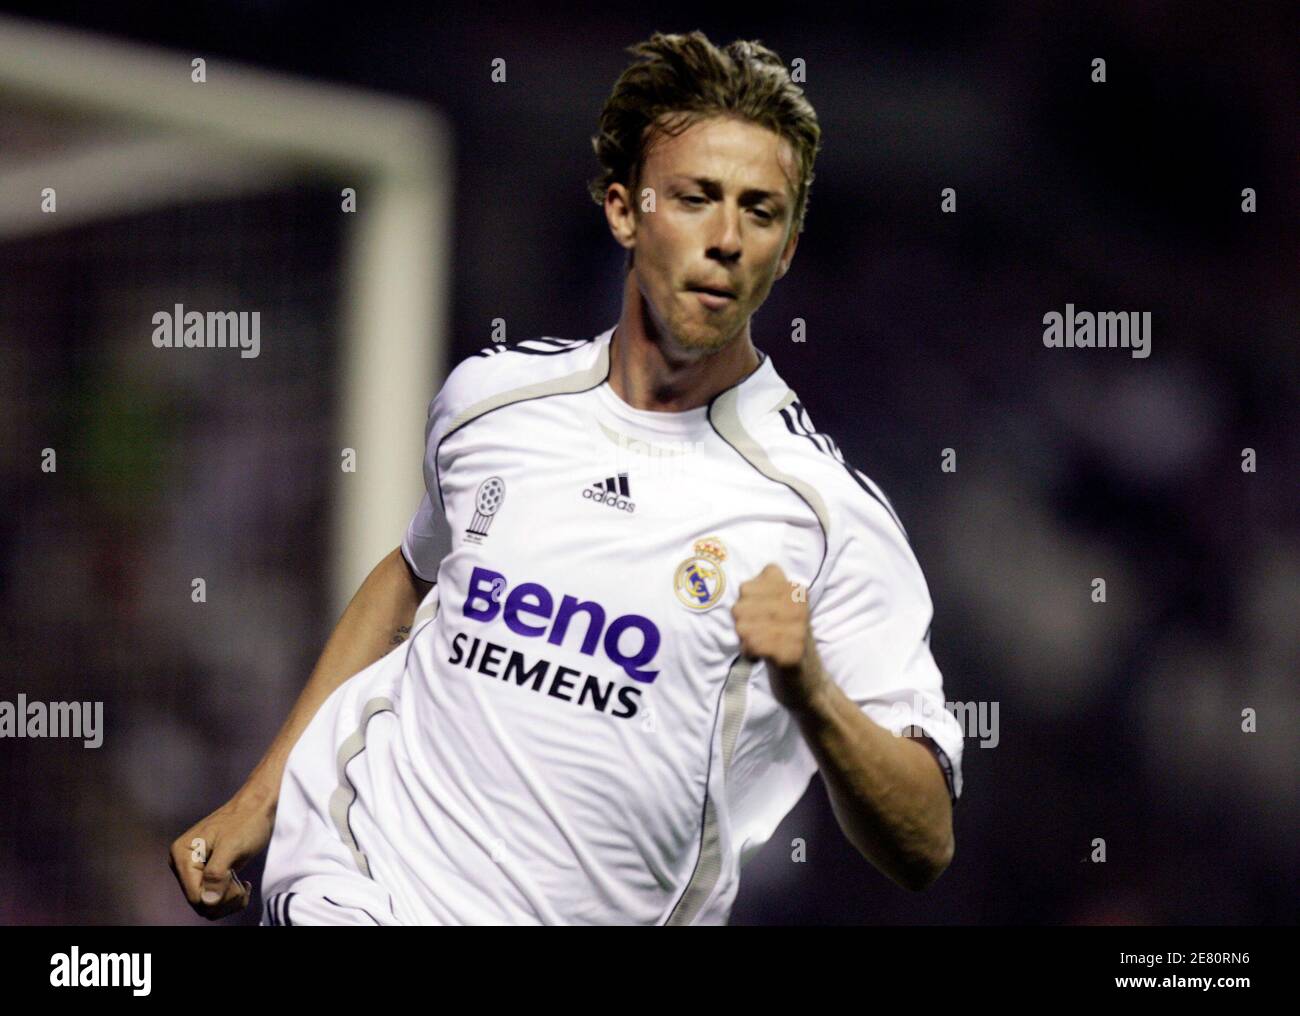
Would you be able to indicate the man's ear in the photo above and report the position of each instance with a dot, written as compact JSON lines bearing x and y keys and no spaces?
{"x":621,"y":215}
{"x":787,"y":255}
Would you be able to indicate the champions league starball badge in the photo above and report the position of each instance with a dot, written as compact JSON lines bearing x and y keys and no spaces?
{"x":700,"y":580}
{"x":491,"y":492}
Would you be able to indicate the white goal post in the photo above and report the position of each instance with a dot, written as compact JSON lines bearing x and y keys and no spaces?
{"x":168,"y":140}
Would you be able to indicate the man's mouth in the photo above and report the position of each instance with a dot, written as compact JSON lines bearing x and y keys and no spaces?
{"x":713,"y":291}
{"x":714,"y":299}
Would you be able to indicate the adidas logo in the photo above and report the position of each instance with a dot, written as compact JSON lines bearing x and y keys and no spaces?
{"x":613,"y":491}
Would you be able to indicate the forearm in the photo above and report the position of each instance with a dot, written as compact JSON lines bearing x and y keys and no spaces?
{"x":378,"y":617}
{"x":887,"y":792}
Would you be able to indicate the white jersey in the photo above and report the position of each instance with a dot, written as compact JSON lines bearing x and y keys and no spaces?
{"x":571,"y":734}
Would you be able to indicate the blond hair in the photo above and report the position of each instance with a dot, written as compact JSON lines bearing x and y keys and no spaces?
{"x":682,"y":79}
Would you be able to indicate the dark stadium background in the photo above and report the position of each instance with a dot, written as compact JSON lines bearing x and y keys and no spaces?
{"x":1119,"y":721}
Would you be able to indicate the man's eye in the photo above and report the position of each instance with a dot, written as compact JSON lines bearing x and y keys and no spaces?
{"x":692,"y":198}
{"x":765,"y":216}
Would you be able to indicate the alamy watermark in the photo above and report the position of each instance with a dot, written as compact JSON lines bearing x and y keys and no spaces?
{"x":658,"y":460}
{"x":977,"y":719}
{"x":217,"y":329}
{"x":75,"y":969}
{"x":1107,"y":329}
{"x":84,"y":720}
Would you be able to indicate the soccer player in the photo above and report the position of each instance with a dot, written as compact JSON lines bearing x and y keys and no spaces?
{"x":653,"y":599}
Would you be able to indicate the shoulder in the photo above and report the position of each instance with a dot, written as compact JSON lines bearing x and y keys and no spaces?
{"x":507,"y":372}
{"x":852,"y":503}
{"x":547,"y":345}
{"x":870,"y":565}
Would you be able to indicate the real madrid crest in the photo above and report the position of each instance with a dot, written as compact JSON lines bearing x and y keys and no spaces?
{"x":700,"y":580}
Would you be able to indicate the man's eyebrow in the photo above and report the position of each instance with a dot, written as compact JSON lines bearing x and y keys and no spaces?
{"x":711,"y":185}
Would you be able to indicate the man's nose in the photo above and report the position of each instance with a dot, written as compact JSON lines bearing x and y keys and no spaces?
{"x":725,"y":240}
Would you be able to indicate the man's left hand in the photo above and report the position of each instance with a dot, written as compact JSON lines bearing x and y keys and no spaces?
{"x":772,"y":619}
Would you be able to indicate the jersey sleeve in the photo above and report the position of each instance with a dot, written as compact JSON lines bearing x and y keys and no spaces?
{"x":871,"y":625}
{"x":428,"y":539}
{"x":476,"y":385}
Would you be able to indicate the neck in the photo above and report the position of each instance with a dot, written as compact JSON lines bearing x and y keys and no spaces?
{"x":647,"y":373}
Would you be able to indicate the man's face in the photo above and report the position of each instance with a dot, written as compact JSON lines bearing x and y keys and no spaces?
{"x":723,"y":220}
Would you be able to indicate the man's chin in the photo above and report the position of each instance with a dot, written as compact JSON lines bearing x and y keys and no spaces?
{"x":695,"y":340}
{"x":684,"y":337}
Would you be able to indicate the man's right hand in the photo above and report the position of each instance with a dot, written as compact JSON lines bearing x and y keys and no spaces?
{"x":241,"y":829}
{"x":206,"y":870}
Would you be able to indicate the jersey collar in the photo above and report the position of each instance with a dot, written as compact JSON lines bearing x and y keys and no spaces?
{"x":757,"y":394}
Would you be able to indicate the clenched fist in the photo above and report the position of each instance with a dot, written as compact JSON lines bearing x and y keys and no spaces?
{"x":205,"y":856}
{"x":772,"y":620}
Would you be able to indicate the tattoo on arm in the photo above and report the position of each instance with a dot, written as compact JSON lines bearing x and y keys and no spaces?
{"x":400,"y":635}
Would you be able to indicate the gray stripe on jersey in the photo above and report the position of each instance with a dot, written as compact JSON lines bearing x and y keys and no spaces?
{"x":725,"y":417}
{"x":427,"y":610}
{"x":345,"y":793}
{"x":579,"y":381}
{"x":709,"y":865}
